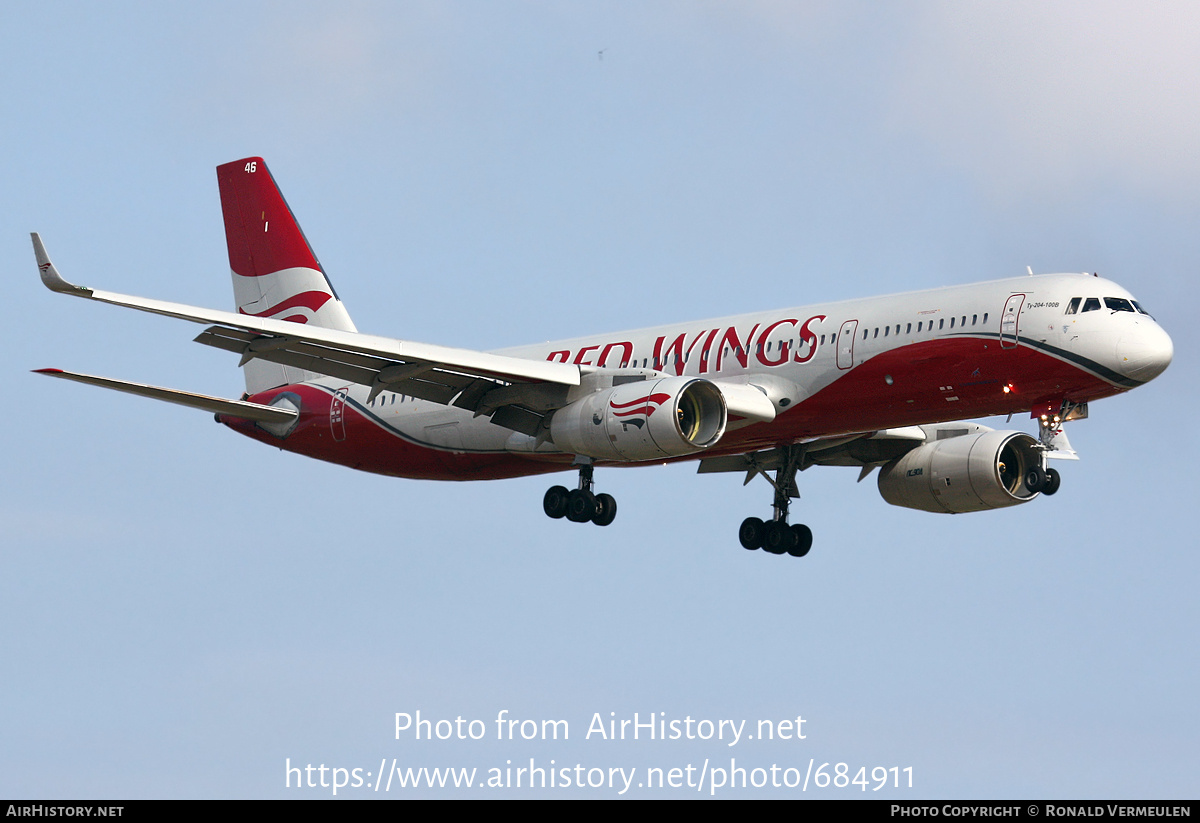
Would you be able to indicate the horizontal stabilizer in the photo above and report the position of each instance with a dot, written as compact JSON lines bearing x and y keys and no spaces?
{"x":217,"y":405}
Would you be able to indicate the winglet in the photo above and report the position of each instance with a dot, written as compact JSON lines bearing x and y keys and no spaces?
{"x":50,"y":276}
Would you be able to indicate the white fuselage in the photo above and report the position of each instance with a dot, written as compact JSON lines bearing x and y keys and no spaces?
{"x":932,"y":342}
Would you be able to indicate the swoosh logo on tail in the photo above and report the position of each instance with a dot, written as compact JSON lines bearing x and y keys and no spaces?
{"x":311,"y":300}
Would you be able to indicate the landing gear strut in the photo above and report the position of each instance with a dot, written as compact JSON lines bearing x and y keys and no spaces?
{"x":581,"y":504}
{"x":775,"y":535}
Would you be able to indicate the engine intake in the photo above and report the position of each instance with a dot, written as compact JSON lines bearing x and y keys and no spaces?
{"x":963,"y":474}
{"x":647,"y":420}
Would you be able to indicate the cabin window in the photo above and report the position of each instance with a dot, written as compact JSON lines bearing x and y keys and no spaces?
{"x":909,"y":329}
{"x":1092,"y":304}
{"x":974,"y":319}
{"x":964,"y":321}
{"x":941,"y":324}
{"x":985,"y":314}
{"x":1073,"y":306}
{"x":865,"y":333}
{"x":951,"y":322}
{"x":876,"y":335}
{"x":1118,"y":304}
{"x":885,"y":330}
{"x":919,"y":325}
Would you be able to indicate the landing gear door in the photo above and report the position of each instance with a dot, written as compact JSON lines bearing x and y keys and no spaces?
{"x":845,"y":344}
{"x":1009,"y":321}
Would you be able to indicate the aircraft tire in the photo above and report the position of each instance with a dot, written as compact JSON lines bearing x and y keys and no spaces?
{"x":581,"y":506}
{"x":1035,"y":479}
{"x":555,"y":502}
{"x":778,"y":537}
{"x":751,"y":533}
{"x":606,"y":509}
{"x":1053,"y":481}
{"x":804,"y":540}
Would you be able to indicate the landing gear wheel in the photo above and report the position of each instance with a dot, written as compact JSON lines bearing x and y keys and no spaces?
{"x":606,"y":510}
{"x":1053,"y":480}
{"x":555,"y":502}
{"x":751,"y":533}
{"x":803,"y":540}
{"x":581,"y":506}
{"x":1035,"y":480}
{"x":779,"y":537}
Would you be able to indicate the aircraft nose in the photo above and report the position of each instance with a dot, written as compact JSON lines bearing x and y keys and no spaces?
{"x":1144,"y":353}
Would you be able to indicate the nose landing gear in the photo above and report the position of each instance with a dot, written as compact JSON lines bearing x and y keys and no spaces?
{"x":582,"y":504}
{"x":1045,"y":481}
{"x":1054,"y":443}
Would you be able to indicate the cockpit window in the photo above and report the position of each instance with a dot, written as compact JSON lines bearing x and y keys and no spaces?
{"x":1118,"y":304}
{"x":1138,"y":306}
{"x":1092,"y":304}
{"x":1073,"y":306}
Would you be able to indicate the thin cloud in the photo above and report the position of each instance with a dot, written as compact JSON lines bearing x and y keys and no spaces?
{"x":1037,"y":97}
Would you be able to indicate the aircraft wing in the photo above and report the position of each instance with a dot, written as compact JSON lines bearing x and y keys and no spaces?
{"x":431,"y":372}
{"x":866,"y":450}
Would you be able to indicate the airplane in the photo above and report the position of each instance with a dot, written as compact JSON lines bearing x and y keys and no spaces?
{"x":885,"y":383}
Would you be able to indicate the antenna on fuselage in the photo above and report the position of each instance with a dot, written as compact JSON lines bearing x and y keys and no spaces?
{"x":1030,"y":270}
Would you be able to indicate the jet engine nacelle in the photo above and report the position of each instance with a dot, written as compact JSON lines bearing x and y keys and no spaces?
{"x":969,"y":473}
{"x":646,"y":420}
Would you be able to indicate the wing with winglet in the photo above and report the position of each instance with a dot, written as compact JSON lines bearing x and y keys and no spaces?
{"x":438,"y":373}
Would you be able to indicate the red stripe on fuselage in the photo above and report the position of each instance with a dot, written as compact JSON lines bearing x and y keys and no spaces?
{"x":368,"y":446}
{"x":932,"y":382}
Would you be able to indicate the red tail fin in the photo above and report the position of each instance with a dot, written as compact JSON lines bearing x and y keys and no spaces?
{"x":275,"y":273}
{"x":261,"y":231}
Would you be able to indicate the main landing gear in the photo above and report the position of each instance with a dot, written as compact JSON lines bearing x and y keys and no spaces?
{"x":582,"y":504}
{"x":775,"y":535}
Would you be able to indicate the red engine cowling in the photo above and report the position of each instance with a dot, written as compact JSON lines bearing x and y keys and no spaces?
{"x":970,"y":473}
{"x":646,"y":420}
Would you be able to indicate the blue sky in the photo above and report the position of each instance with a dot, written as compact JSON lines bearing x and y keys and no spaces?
{"x":183,"y":610}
